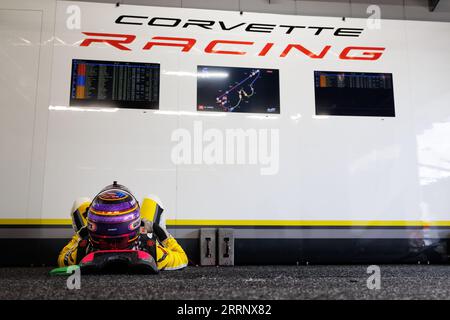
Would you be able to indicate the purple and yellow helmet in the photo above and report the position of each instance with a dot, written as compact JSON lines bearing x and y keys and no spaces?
{"x":114,"y":219}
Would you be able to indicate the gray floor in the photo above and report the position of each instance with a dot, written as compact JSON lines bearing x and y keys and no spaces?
{"x":268,"y":282}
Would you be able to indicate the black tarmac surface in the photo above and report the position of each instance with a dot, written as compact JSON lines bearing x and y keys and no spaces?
{"x":250,"y":282}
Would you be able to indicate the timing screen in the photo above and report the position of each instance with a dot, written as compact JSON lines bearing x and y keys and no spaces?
{"x":115,"y":84}
{"x":230,"y":89}
{"x":354,"y":94}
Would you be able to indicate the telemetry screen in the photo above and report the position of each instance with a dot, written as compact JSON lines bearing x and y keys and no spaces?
{"x":230,"y":89}
{"x":354,"y":94}
{"x":115,"y":84}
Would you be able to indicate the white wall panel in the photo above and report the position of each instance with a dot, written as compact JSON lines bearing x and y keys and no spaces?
{"x":429,"y":69}
{"x":327,"y":166}
{"x":331,"y":168}
{"x":88,"y":150}
{"x":19,"y":65}
{"x":30,"y":196}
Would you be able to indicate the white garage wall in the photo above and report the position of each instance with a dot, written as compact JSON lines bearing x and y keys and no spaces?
{"x":351,"y":168}
{"x":348,"y":168}
{"x":27,"y":32}
{"x":19,"y":61}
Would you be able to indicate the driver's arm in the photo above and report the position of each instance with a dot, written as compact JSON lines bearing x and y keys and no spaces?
{"x":70,"y":255}
{"x":170,"y":255}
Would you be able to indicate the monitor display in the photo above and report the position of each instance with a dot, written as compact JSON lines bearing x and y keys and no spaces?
{"x":115,"y":84}
{"x":231,"y":89}
{"x":354,"y":94}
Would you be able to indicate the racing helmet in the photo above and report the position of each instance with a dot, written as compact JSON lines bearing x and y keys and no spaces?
{"x":114,"y":219}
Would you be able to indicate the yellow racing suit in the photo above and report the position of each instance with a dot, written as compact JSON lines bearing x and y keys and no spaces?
{"x":169,"y":254}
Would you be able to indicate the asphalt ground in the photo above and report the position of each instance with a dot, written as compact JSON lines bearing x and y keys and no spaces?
{"x":241,"y":282}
